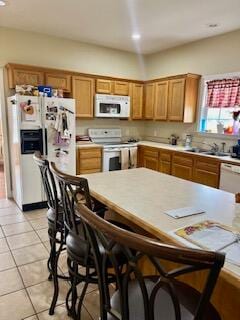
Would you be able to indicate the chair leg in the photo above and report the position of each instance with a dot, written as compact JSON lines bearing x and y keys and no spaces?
{"x":81,"y":300}
{"x":54,"y":266}
{"x":74,"y":281}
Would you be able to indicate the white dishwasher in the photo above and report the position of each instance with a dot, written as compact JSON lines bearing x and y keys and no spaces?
{"x":230,"y":178}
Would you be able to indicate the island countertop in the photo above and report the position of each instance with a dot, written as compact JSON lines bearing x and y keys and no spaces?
{"x":142,"y":196}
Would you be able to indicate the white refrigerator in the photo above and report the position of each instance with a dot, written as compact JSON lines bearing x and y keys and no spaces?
{"x":44,"y":124}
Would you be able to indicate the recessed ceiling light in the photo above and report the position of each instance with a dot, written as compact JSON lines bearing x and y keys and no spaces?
{"x":213,"y":25}
{"x":136,"y":36}
{"x":2,"y":3}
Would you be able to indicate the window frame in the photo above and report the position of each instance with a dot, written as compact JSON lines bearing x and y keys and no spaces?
{"x":202,"y":100}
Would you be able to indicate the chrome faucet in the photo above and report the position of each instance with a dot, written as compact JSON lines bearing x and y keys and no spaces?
{"x":214,"y":146}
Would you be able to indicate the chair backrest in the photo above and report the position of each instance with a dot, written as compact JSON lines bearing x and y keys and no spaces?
{"x":48,"y":181}
{"x":73,"y":190}
{"x":136,"y":247}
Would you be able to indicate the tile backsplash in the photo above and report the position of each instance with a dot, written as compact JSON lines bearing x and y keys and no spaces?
{"x":153,"y":130}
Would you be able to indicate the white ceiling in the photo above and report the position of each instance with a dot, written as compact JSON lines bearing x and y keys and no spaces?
{"x":162,"y":23}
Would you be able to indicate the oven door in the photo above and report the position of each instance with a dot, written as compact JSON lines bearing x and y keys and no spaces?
{"x":111,"y":159}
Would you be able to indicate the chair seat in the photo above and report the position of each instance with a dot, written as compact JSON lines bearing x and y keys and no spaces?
{"x":51,"y":214}
{"x":163,"y":307}
{"x":78,"y":247}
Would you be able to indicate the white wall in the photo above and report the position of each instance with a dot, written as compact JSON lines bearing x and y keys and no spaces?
{"x":47,"y":51}
{"x":214,"y":55}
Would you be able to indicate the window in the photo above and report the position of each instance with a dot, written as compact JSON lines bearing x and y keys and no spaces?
{"x":221,"y":106}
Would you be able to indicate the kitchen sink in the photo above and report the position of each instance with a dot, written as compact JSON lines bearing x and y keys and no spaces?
{"x":208,"y":152}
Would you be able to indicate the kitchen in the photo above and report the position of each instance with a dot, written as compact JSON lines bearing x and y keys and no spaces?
{"x":166,"y":126}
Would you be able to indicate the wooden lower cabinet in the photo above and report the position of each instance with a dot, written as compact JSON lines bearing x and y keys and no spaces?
{"x":182,"y":166}
{"x":150,"y":163}
{"x":150,"y":158}
{"x":182,"y":171}
{"x":207,"y":172}
{"x":165,"y":162}
{"x":164,"y":167}
{"x":89,"y":160}
{"x":200,"y":169}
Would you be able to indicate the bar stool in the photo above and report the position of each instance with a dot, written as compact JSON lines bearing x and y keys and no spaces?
{"x":155,"y":297}
{"x":81,"y":265}
{"x":55,"y":225}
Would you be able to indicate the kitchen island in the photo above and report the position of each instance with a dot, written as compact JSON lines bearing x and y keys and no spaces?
{"x":142,"y":196}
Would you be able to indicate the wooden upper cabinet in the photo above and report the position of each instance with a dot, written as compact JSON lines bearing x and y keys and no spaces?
{"x":136,"y":90}
{"x":121,"y":88}
{"x":83,"y":92}
{"x":149,"y":100}
{"x":176,"y":99}
{"x":117,"y":87}
{"x":21,"y":76}
{"x":104,"y":86}
{"x":58,"y":81}
{"x":161,"y":100}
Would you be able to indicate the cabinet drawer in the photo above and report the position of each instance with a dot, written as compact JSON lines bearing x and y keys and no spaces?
{"x":90,"y":153}
{"x":207,"y":165}
{"x":152,"y":153}
{"x":184,"y":160}
{"x":165,"y":156}
{"x":89,"y":164}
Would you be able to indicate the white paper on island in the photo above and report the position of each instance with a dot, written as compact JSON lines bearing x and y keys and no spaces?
{"x":184,"y":212}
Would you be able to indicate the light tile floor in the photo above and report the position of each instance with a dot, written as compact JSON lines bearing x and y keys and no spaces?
{"x":25,"y":292}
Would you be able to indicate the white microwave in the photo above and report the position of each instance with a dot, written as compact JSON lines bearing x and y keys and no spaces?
{"x":109,"y":106}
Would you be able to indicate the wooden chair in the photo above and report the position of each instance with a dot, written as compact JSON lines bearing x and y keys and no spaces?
{"x":75,"y":190}
{"x":162,"y":296}
{"x":55,"y":224}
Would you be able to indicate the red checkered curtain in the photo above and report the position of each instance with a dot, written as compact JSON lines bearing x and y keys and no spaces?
{"x":223,"y":93}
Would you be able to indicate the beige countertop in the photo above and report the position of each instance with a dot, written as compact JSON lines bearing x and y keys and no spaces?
{"x":142,"y":196}
{"x":183,"y":149}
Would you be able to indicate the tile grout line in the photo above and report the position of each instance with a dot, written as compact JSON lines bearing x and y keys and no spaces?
{"x":24,"y":285}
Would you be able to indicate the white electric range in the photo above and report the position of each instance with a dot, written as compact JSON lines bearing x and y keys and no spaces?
{"x":111,"y":140}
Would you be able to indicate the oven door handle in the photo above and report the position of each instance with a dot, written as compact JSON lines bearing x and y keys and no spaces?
{"x":112,"y":150}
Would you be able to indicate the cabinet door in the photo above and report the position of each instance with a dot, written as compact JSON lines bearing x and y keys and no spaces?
{"x":21,"y":76}
{"x":161,"y":100}
{"x":59,"y":81}
{"x":208,"y":178}
{"x":207,"y":171}
{"x":164,"y":167}
{"x":176,"y":99}
{"x":182,"y":171}
{"x":149,"y":100}
{"x":150,"y":163}
{"x":121,"y":88}
{"x":104,"y":86}
{"x":136,"y":101}
{"x":83,"y":91}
